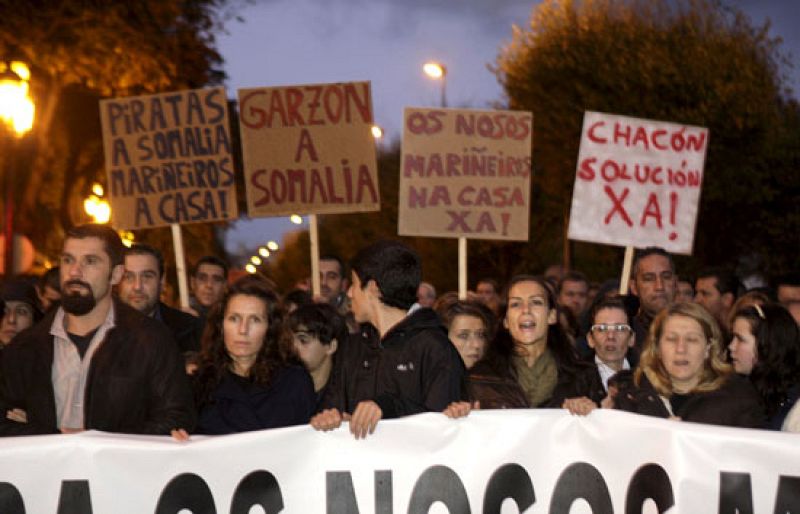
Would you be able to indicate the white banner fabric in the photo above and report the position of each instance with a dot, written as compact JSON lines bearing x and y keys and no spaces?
{"x":545,"y":461}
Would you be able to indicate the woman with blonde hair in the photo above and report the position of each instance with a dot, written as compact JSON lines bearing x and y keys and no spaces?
{"x":683,"y":374}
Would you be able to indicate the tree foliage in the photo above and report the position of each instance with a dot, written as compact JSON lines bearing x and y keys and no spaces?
{"x":694,"y":62}
{"x":82,"y":51}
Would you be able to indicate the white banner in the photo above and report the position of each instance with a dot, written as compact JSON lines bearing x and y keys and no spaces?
{"x":638,"y":182}
{"x":544,"y":461}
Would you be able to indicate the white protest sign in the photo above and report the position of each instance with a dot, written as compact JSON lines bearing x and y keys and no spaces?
{"x":168,"y":158}
{"x":465,"y":173}
{"x":309,"y":149}
{"x":542,"y":460}
{"x":638,"y":182}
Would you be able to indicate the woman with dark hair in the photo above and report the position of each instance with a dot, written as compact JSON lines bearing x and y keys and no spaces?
{"x":682,"y":374}
{"x":531,"y":348}
{"x":245,"y":381}
{"x":766,"y":347}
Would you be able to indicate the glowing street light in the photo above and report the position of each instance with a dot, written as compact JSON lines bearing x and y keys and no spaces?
{"x":97,"y":208}
{"x":16,"y":105}
{"x":377,"y":132}
{"x":272,"y":245}
{"x":296,"y":219}
{"x":263,"y":252}
{"x":250,"y":268}
{"x":255,"y":259}
{"x":437,"y":71}
{"x":97,"y":189}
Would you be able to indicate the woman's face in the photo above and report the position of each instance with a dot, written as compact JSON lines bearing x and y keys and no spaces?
{"x":743,"y":348}
{"x":468,"y":335}
{"x":18,"y":317}
{"x":244,"y":327}
{"x":683,"y":349}
{"x":528,"y":315}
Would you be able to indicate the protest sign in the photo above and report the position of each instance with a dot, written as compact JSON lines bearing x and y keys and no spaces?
{"x":638,"y":182}
{"x":540,"y":460}
{"x":168,"y":158}
{"x":465,"y":173}
{"x":309,"y":149}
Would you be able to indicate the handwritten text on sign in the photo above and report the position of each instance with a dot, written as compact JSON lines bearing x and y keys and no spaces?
{"x":309,"y":149}
{"x":168,"y":158}
{"x":465,"y":173}
{"x":638,"y":182}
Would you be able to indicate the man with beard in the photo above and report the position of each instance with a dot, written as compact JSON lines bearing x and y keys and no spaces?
{"x":94,"y":363}
{"x":141,"y":287}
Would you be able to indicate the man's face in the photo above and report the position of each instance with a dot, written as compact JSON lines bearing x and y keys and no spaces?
{"x":684,"y":292}
{"x":86,"y":270}
{"x":140,"y":286}
{"x":574,"y":295}
{"x":47,"y":297}
{"x":654,"y":283}
{"x":208,"y":284}
{"x":17,"y":317}
{"x":331,"y":280}
{"x":709,"y":297}
{"x":426,"y":296}
{"x":359,"y":301}
{"x":486,"y":292}
{"x":788,"y":294}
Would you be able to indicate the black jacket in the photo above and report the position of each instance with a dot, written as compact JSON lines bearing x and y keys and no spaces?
{"x":186,"y":329}
{"x":414,"y":369}
{"x":137,"y":383}
{"x":238,"y":405}
{"x":735,"y":404}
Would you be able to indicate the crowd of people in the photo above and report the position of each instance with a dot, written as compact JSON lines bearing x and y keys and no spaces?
{"x":91,"y":345}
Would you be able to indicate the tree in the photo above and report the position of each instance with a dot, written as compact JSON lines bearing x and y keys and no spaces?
{"x":695,"y":62}
{"x":80,"y":52}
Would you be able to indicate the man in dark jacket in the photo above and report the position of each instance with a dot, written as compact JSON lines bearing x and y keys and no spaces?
{"x":402,"y":363}
{"x":140,"y":288}
{"x":94,"y":363}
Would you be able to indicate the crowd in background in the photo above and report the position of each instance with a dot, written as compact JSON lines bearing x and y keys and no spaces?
{"x":91,"y":345}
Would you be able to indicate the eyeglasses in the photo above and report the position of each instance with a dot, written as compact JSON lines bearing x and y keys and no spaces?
{"x":604,"y":328}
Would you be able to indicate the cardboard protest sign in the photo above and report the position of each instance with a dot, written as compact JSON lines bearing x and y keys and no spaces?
{"x":465,"y":173}
{"x":168,"y":158}
{"x":309,"y":149}
{"x":638,"y":182}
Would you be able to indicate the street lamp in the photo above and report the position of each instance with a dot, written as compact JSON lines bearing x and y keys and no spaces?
{"x":377,"y":132}
{"x":437,"y":71}
{"x":96,"y":206}
{"x":16,"y":112}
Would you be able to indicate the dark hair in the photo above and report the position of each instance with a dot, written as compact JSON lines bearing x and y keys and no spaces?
{"x":448,"y":313}
{"x":647,"y":252}
{"x":214,"y":360}
{"x":777,"y":367}
{"x":143,"y":249}
{"x":573,"y":276}
{"x":298,"y":297}
{"x":492,"y":282}
{"x":214,"y":261}
{"x":502,"y":348}
{"x":791,"y":279}
{"x":321,"y":320}
{"x":726,"y":281}
{"x":394,"y":267}
{"x":112,"y":244}
{"x":610,"y":302}
{"x":20,"y":289}
{"x":51,"y":279}
{"x":330,"y":257}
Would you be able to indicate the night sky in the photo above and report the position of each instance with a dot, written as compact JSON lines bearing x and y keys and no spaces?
{"x":282,"y":42}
